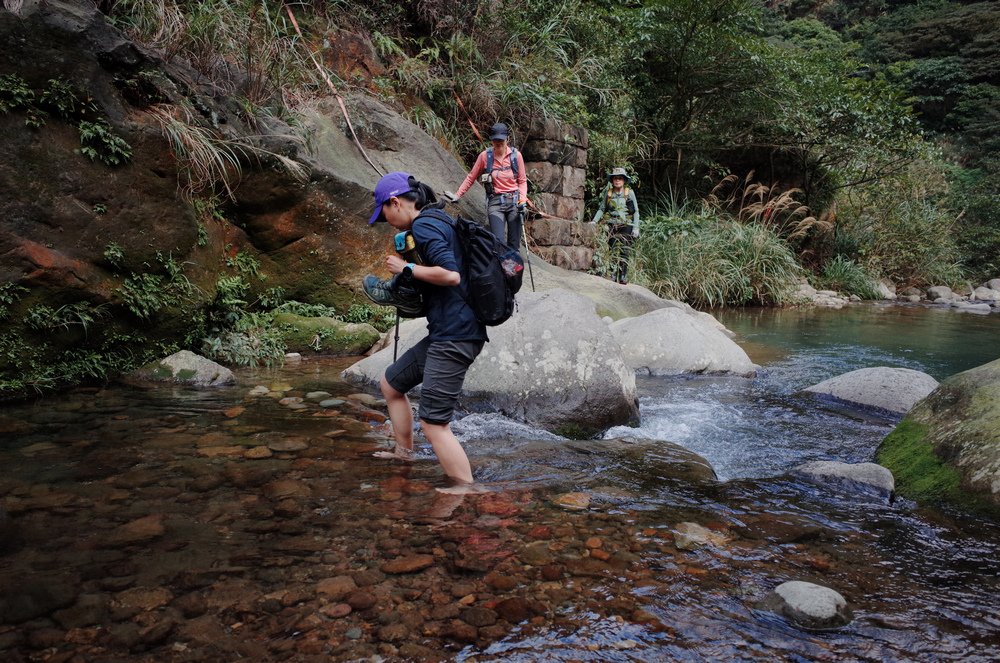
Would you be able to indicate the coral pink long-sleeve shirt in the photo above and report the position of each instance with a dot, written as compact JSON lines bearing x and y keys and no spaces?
{"x":503,"y":175}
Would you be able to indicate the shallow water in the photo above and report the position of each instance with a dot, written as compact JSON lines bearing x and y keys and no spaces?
{"x":148,"y":525}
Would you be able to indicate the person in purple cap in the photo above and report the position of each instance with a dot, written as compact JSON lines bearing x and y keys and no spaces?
{"x":455,"y":337}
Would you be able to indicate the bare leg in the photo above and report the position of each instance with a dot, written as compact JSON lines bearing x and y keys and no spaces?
{"x":450,"y":453}
{"x":401,"y":417}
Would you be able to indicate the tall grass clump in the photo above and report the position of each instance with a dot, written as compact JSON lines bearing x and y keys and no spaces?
{"x":845,"y":276}
{"x":710,"y":260}
{"x":247,"y":48}
{"x":208,"y":160}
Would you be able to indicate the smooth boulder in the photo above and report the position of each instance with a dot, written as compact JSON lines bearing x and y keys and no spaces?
{"x":808,"y":605}
{"x":893,"y":390}
{"x":554,"y":364}
{"x":671,"y":341}
{"x":864,"y":476}
{"x":948,"y":446}
{"x":186,"y":367}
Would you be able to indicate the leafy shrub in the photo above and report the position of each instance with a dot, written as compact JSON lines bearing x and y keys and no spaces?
{"x":15,"y":93}
{"x":381,"y":318}
{"x":307,"y":310}
{"x":902,"y":229}
{"x":251,"y":339}
{"x":99,"y":142}
{"x":114,"y":254}
{"x":10,"y":293}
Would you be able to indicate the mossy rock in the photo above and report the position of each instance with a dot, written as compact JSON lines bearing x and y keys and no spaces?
{"x":327,"y":336}
{"x":948,"y":447}
{"x":185,"y":367}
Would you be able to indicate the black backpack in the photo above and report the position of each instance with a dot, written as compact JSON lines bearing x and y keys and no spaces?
{"x":491,"y":272}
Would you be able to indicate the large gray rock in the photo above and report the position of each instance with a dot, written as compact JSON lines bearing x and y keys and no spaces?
{"x":671,"y":341}
{"x":554,"y":364}
{"x":940,"y":292}
{"x":948,"y":446}
{"x":993,"y":284}
{"x":187,"y":368}
{"x":866,"y":476}
{"x":808,"y":605}
{"x":969,"y":307}
{"x":891,"y":389}
{"x":982,"y":294}
{"x":611,"y":299}
{"x":886,"y":289}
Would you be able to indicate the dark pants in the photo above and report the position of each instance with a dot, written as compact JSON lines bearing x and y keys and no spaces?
{"x":505,"y":222}
{"x":440,"y":366}
{"x":620,"y":241}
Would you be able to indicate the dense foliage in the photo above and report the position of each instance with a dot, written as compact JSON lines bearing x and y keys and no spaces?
{"x":882,"y":116}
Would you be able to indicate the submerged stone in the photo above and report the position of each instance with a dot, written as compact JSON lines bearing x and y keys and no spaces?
{"x":860,"y":476}
{"x":894,"y":390}
{"x":808,"y":605}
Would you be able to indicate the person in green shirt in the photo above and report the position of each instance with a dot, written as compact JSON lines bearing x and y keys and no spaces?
{"x":618,"y":204}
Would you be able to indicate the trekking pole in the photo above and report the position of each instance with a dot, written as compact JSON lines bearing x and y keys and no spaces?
{"x":527,"y":259}
{"x":395,"y":346}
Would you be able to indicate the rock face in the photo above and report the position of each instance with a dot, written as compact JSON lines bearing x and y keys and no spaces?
{"x":891,"y":389}
{"x":111,"y":238}
{"x":808,"y":605}
{"x":863,"y":476}
{"x":554,"y":364}
{"x":671,"y":341}
{"x":188,"y":368}
{"x":948,"y":446}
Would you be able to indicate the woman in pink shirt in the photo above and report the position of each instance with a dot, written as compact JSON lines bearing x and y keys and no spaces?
{"x":506,"y":185}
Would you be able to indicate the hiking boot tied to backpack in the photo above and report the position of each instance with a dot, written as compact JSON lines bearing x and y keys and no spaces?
{"x":399,"y":291}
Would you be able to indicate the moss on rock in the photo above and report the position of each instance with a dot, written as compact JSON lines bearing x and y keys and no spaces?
{"x":948,"y":446}
{"x":918,"y":472}
{"x":324,"y":335}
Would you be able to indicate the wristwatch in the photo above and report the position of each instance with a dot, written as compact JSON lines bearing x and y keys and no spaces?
{"x":408,"y":269}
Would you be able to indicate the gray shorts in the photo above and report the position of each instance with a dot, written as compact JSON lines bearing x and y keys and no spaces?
{"x":440,"y":366}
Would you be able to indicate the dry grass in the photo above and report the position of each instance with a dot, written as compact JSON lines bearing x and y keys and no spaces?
{"x":209,"y":161}
{"x":769,"y":206}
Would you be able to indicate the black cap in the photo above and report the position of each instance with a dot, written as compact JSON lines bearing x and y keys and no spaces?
{"x":499,"y":131}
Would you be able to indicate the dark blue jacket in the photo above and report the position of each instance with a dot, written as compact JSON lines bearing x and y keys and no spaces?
{"x":449,"y":317}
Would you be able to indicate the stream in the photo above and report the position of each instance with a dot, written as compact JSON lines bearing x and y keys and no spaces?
{"x":251,"y":521}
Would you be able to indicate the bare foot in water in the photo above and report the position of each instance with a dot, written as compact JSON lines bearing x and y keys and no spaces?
{"x":398,"y":453}
{"x":464,"y":489}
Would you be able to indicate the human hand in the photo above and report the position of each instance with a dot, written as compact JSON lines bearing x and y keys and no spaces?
{"x":635,"y":232}
{"x":522,"y":208}
{"x":450,"y":197}
{"x":395,"y":263}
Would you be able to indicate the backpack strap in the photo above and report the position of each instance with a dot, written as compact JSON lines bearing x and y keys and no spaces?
{"x":514,"y":166}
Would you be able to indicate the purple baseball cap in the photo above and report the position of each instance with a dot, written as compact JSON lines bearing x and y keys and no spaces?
{"x":393,"y":184}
